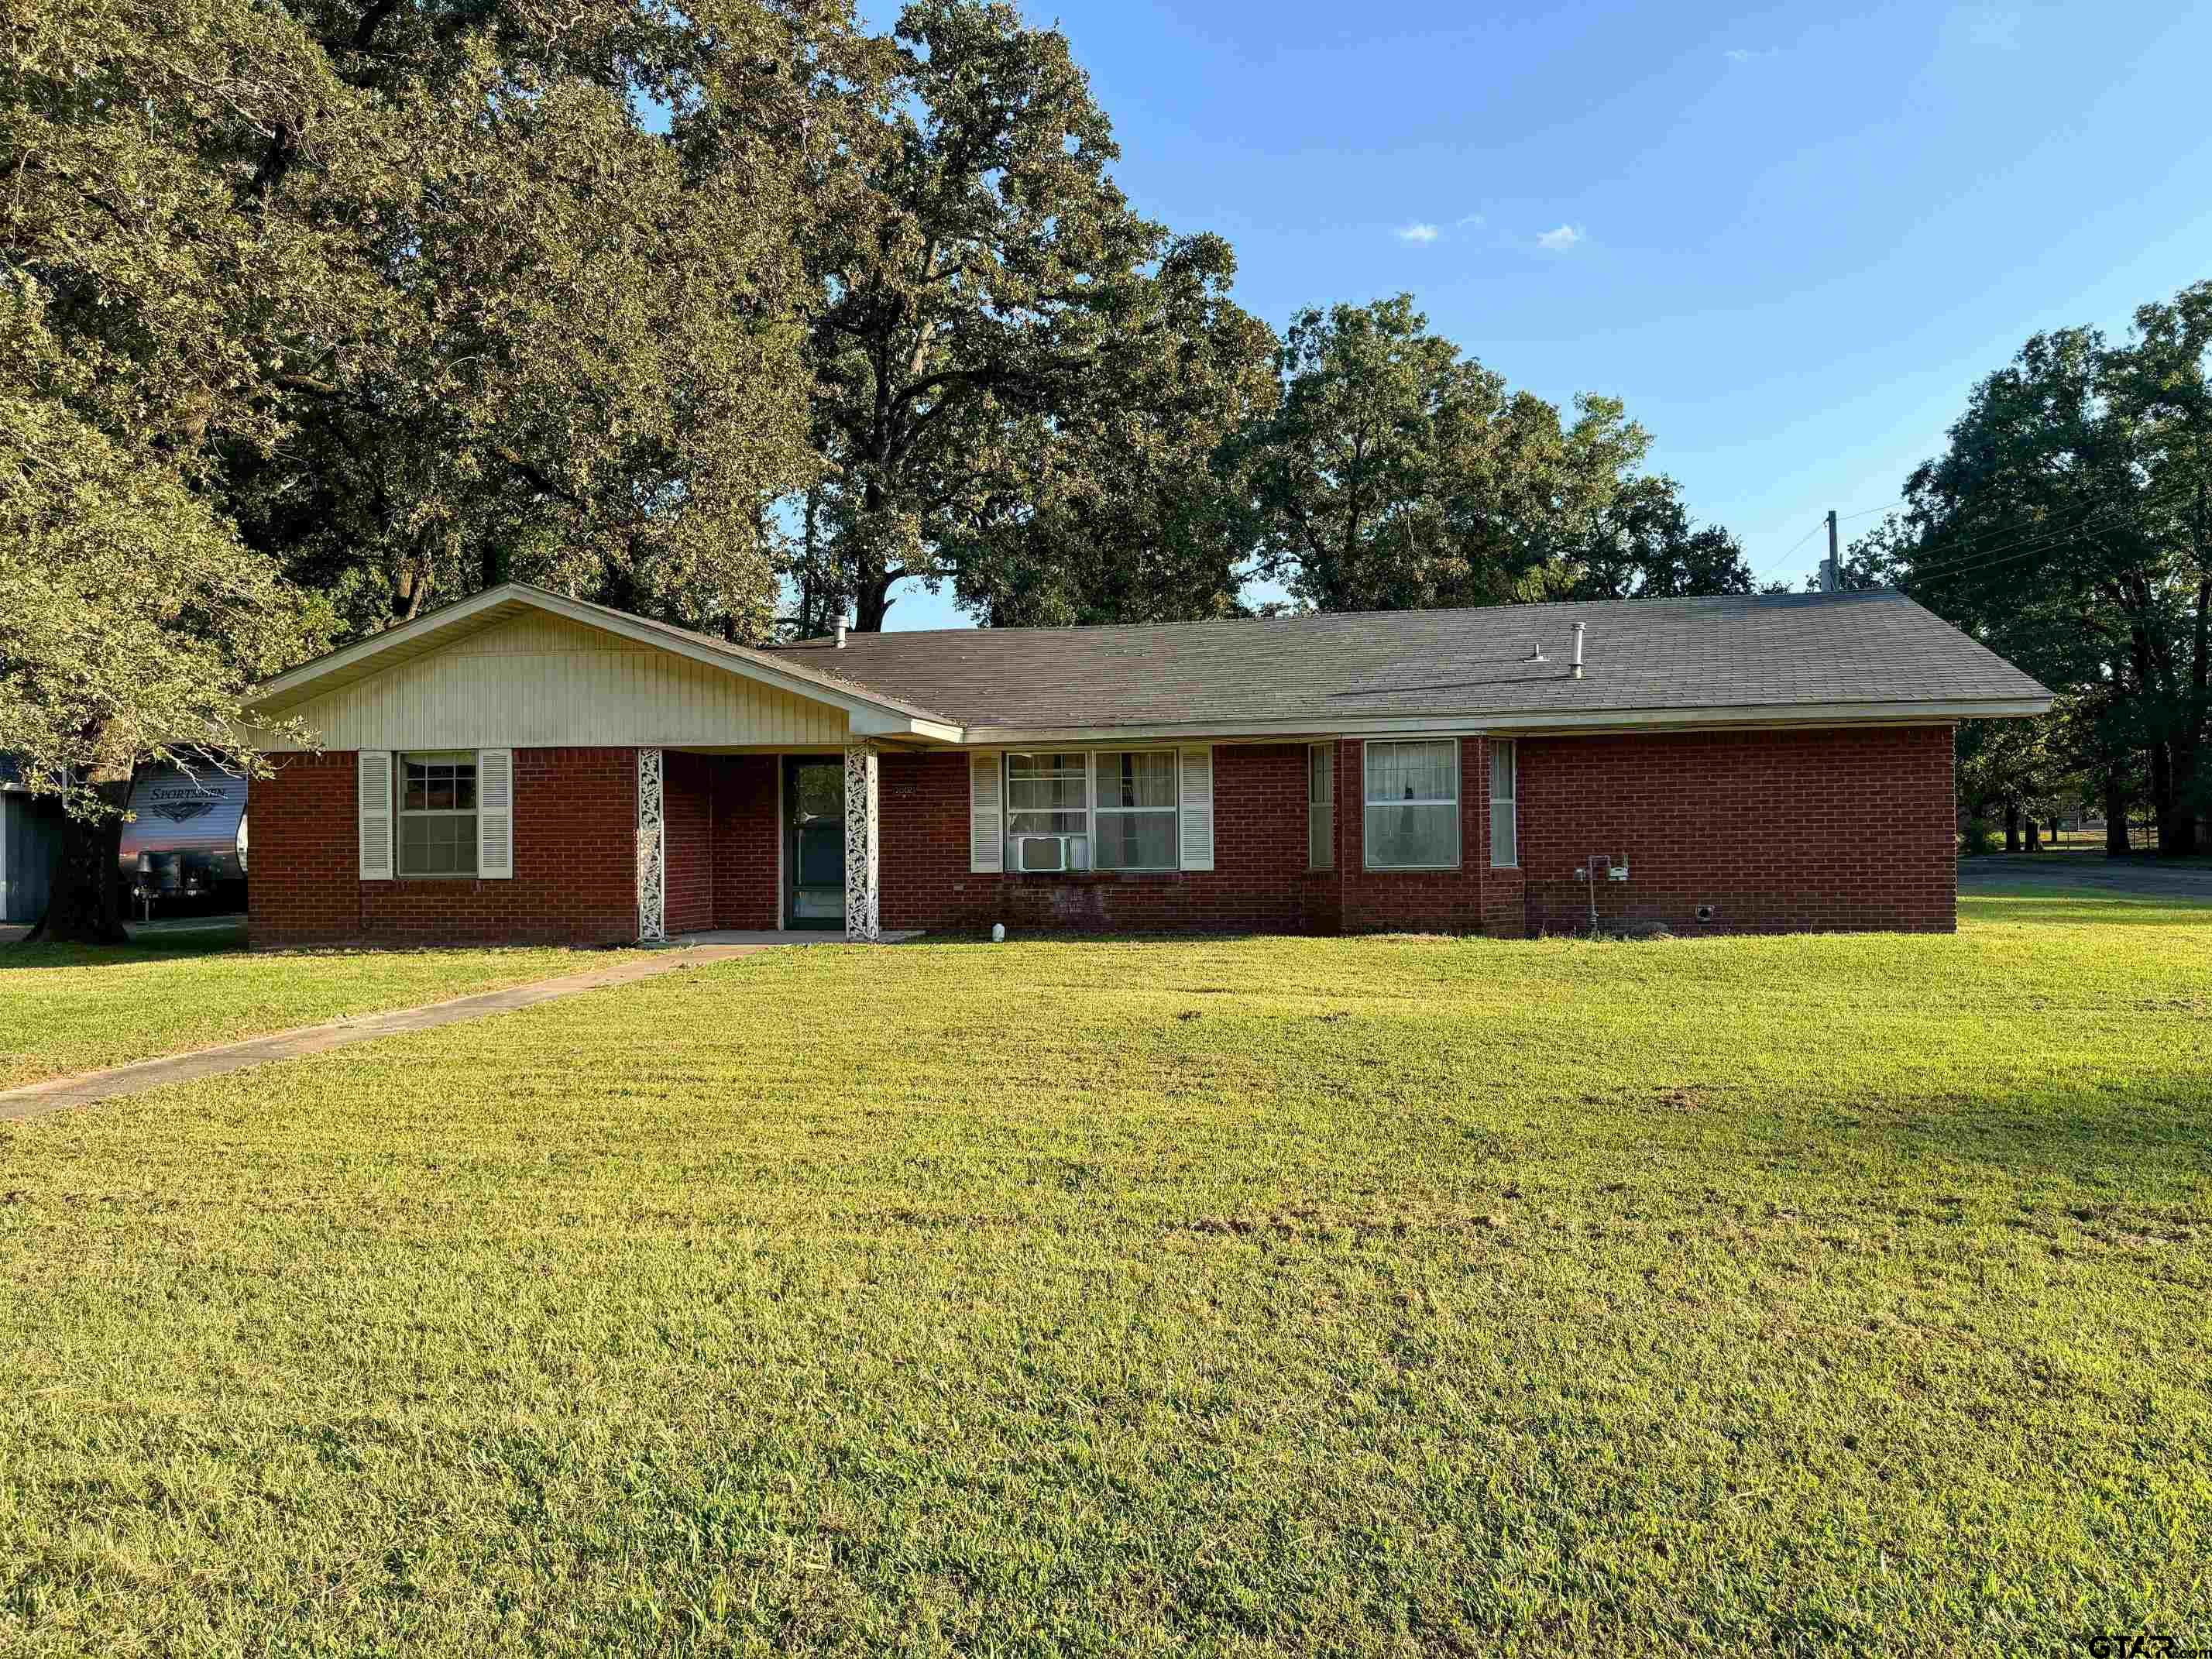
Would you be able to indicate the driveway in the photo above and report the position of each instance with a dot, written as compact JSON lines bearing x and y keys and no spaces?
{"x":2090,"y":873}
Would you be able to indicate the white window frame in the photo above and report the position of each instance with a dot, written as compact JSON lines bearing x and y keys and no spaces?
{"x":1367,"y":803}
{"x":1505,"y":809}
{"x":401,"y":812}
{"x":1320,"y":810}
{"x":1174,"y":809}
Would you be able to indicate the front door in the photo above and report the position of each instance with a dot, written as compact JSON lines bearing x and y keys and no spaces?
{"x":814,"y":841}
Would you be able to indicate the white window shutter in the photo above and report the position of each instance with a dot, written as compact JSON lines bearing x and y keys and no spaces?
{"x":495,"y":814}
{"x":987,"y":816}
{"x":1197,"y":769}
{"x":372,"y":776}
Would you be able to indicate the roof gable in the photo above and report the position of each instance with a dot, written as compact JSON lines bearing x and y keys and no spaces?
{"x":523,"y":623}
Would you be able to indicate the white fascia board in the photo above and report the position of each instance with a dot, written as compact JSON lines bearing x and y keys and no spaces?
{"x":874,"y":723}
{"x":362,"y":651}
{"x":1504,"y":724}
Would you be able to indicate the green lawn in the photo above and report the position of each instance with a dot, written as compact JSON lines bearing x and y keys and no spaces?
{"x":1389,"y":1296}
{"x":66,"y":1008}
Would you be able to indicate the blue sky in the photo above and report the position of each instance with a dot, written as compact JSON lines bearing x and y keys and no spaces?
{"x":1791,"y":238}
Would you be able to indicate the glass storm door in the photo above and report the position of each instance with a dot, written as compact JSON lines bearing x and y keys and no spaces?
{"x":814,"y":843}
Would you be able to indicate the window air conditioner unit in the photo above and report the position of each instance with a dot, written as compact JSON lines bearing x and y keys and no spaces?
{"x":1050,"y":854}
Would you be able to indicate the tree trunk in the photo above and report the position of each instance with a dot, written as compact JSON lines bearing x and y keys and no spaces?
{"x":872,"y":603}
{"x":2011,"y":826}
{"x":2116,"y":814}
{"x":2034,"y":835}
{"x":85,"y":906}
{"x":2169,"y":784}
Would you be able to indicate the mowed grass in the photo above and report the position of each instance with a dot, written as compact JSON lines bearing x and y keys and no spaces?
{"x":67,"y":1008}
{"x":1375,"y":1296}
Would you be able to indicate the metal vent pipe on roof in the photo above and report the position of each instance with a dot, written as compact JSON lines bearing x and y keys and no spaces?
{"x":1578,"y":651}
{"x":841,"y":633}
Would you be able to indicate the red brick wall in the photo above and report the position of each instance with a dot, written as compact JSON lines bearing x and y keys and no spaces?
{"x":688,"y":841}
{"x":748,"y":822}
{"x":574,"y":881}
{"x":302,"y":882}
{"x":1259,"y":882}
{"x":1777,"y":831}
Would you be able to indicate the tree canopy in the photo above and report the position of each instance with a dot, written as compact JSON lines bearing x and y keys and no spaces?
{"x":1396,"y":473}
{"x":2068,"y":526}
{"x":738,"y":315}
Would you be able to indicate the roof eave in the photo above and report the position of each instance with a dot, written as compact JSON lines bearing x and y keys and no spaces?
{"x":1518,"y":722}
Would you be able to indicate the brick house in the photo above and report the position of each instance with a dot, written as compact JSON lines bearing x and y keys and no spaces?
{"x":521,"y":766}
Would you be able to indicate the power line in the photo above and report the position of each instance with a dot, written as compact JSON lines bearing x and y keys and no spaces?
{"x":2035,"y":542}
{"x":1862,"y":512}
{"x":1769,"y":568}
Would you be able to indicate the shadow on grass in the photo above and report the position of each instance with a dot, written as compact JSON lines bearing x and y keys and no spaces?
{"x":2149,"y":1141}
{"x":147,"y":946}
{"x":2074,"y":907}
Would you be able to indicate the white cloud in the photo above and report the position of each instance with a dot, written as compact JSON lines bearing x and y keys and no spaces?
{"x":1738,"y":55}
{"x":1559,"y":240}
{"x":1471,"y":222}
{"x":1417,"y":233}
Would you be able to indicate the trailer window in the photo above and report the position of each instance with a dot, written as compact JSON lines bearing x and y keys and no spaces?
{"x":438,"y":814}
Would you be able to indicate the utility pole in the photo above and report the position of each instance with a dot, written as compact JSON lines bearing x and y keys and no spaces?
{"x":1831,"y":569}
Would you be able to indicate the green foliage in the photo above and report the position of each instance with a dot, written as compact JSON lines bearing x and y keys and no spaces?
{"x":1396,"y":474}
{"x":1008,"y":358}
{"x":1980,"y":839}
{"x":1345,"y":1297}
{"x":2069,"y":526}
{"x":131,"y":624}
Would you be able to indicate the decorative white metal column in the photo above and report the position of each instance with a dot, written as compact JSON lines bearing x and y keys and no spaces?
{"x":652,"y":849}
{"x":861,"y":908}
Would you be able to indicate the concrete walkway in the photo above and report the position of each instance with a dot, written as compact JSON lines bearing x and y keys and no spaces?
{"x":37,"y":1099}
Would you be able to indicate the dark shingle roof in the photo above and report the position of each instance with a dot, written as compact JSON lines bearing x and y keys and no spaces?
{"x":1641,"y":655}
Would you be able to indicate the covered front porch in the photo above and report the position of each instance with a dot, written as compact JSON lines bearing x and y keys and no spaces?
{"x":761,"y":846}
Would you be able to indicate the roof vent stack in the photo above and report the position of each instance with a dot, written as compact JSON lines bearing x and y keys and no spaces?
{"x":1535,"y":651}
{"x":841,"y":633}
{"x":1577,"y":670}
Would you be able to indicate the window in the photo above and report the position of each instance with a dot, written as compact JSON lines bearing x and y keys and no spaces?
{"x":1504,"y":820}
{"x":1320,"y":806}
{"x":1130,"y":819}
{"x":1137,"y":822}
{"x":1048,"y":795}
{"x":438,"y":814}
{"x":1412,"y":806}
